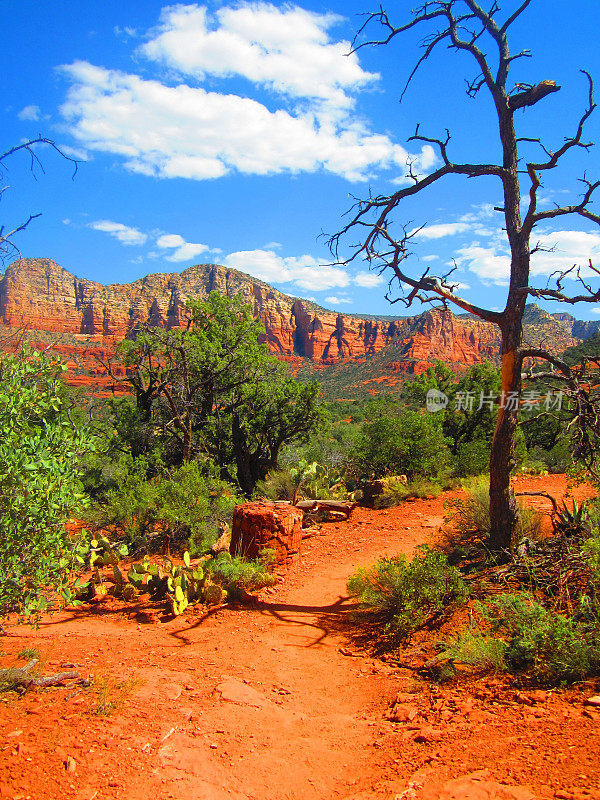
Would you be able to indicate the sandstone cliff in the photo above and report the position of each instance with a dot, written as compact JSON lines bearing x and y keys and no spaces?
{"x":39,"y":295}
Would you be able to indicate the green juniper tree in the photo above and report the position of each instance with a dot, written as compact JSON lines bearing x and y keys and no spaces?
{"x":213,"y":388}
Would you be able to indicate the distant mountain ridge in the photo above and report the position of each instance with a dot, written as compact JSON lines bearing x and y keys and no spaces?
{"x":38,"y":295}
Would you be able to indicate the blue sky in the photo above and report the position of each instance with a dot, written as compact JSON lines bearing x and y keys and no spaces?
{"x":237,"y":133}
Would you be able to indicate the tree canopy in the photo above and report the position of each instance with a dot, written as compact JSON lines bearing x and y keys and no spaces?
{"x":212,"y":388}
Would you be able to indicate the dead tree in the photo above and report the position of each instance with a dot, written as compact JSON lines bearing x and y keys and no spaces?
{"x":7,"y":245}
{"x":464,"y":26}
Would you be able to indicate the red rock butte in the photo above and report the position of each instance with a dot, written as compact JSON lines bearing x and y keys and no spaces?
{"x":38,"y":295}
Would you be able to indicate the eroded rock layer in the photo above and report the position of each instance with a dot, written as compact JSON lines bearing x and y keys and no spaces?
{"x":39,"y":295}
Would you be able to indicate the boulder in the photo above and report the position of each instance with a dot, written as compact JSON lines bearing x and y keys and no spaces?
{"x":266,"y":525}
{"x":375,"y":488}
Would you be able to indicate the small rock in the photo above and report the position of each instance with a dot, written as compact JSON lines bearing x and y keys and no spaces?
{"x":428,"y":735}
{"x":70,"y":764}
{"x":173,"y":691}
{"x":234,"y":691}
{"x":593,"y":701}
{"x":524,"y":699}
{"x":538,"y":696}
{"x":402,"y":713}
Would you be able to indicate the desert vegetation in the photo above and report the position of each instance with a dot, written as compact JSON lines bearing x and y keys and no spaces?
{"x":449,"y":529}
{"x":208,"y":420}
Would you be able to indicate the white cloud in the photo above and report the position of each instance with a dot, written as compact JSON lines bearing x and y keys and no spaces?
{"x":368,"y":280}
{"x":125,"y":32}
{"x":78,"y":153}
{"x":185,"y":132}
{"x":182,"y":250}
{"x":338,"y":300}
{"x":303,"y":271}
{"x":286,"y":49}
{"x":595,"y":310}
{"x":123,"y":233}
{"x":441,"y":230}
{"x":480,"y":211}
{"x":492,"y":263}
{"x":429,"y":258}
{"x":32,"y":113}
{"x":570,"y":248}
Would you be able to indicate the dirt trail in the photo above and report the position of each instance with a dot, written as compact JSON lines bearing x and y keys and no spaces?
{"x":273,"y":702}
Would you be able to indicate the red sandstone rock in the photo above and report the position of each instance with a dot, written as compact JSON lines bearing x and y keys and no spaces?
{"x":265,"y":525}
{"x":39,"y":295}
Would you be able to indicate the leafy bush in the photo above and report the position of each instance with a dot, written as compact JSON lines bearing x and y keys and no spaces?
{"x":304,"y":480}
{"x":406,"y":594}
{"x":472,"y":458}
{"x":278,"y":485}
{"x":40,"y":487}
{"x":396,"y":492}
{"x":411,"y":444}
{"x":182,"y":506}
{"x":591,"y":548}
{"x":239,"y":575}
{"x":422,"y":488}
{"x":479,"y":650}
{"x":553,"y":648}
{"x":531,"y":466}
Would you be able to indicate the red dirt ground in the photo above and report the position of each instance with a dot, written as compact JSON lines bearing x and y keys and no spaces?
{"x":275,"y":702}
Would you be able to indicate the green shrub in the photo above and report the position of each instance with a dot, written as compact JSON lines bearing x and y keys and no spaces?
{"x":304,"y":480}
{"x":182,"y":506}
{"x":472,"y":458}
{"x":478,"y":650}
{"x":410,"y":444}
{"x":422,"y":488}
{"x":591,"y":548}
{"x":551,"y":647}
{"x":406,"y":594}
{"x":532,"y":466}
{"x":40,"y":487}
{"x":395,"y":491}
{"x":238,"y":576}
{"x":278,"y":485}
{"x":574,"y":521}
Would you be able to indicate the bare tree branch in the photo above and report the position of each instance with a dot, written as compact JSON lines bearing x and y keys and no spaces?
{"x":7,"y":245}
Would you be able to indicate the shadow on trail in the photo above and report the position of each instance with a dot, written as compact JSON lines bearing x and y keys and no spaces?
{"x":145,"y":612}
{"x":325,"y":619}
{"x":338,"y":617}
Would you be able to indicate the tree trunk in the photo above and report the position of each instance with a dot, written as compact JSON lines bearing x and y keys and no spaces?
{"x":187,"y":443}
{"x":503,"y":506}
{"x":242,"y":457}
